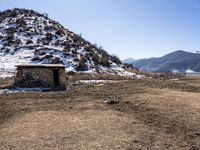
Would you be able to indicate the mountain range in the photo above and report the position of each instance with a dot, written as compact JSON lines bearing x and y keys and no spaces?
{"x":178,"y":61}
{"x":28,"y":37}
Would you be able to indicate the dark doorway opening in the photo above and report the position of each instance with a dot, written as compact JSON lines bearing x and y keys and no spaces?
{"x":56,"y":77}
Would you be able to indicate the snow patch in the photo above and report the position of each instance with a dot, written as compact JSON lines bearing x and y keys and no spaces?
{"x":15,"y":90}
{"x":140,"y":76}
{"x":92,"y":81}
{"x":189,"y":71}
{"x":175,"y":79}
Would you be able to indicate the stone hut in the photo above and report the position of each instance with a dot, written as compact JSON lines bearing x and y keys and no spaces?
{"x":44,"y":75}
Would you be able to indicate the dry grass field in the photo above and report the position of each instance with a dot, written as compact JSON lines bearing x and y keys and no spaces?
{"x":151,"y":115}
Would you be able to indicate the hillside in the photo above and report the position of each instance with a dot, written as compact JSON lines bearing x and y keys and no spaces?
{"x":177,"y":61}
{"x":28,"y":37}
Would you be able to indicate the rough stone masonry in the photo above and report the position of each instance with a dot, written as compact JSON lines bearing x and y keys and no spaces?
{"x":45,"y":75}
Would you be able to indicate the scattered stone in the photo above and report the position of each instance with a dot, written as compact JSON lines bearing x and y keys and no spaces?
{"x":127,"y":102}
{"x":135,"y":141}
{"x":194,"y":148}
{"x":119,"y":109}
{"x":111,"y":101}
{"x":197,"y":134}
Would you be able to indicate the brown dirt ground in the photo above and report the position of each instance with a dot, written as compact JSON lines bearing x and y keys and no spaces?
{"x":150,"y":115}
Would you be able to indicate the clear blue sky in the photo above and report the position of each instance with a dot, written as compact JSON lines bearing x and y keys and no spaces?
{"x":127,"y":28}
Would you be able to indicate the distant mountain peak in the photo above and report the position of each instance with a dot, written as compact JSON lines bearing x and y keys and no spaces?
{"x":129,"y":60}
{"x":180,"y":51}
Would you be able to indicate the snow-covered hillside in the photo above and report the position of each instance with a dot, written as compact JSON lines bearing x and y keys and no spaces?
{"x":27,"y":37}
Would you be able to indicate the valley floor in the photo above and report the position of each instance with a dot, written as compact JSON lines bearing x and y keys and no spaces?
{"x":151,"y":114}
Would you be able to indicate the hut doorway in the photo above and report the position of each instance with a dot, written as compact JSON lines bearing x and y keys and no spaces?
{"x":56,"y":77}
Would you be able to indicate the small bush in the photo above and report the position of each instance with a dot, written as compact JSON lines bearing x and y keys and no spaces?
{"x":74,"y":52}
{"x":87,"y":56}
{"x":49,"y":36}
{"x":105,"y":62}
{"x":29,"y":42}
{"x":71,"y":73}
{"x":21,"y":22}
{"x":17,"y":42}
{"x":83,"y":58}
{"x":115,"y":59}
{"x":127,"y":65}
{"x":48,"y":56}
{"x":56,"y":60}
{"x":60,"y":32}
{"x":103,"y":52}
{"x":95,"y":59}
{"x":10,"y":31}
{"x":77,"y":38}
{"x":10,"y":40}
{"x":67,"y":46}
{"x":35,"y":59}
{"x":82,"y":67}
{"x":76,"y":59}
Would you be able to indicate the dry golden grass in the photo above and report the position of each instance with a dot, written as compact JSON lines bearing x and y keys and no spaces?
{"x":81,"y":76}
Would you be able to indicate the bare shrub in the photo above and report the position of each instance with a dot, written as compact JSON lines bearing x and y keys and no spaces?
{"x":95,"y":59}
{"x":60,"y":32}
{"x":82,"y":66}
{"x":105,"y":62}
{"x":115,"y":59}
{"x":29,"y":42}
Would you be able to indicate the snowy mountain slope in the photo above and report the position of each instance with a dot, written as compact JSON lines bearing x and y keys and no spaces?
{"x":29,"y":37}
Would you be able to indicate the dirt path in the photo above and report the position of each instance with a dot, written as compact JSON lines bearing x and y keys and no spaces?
{"x":144,"y":118}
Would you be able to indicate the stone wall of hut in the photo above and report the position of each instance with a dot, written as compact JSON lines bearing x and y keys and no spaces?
{"x":39,"y":77}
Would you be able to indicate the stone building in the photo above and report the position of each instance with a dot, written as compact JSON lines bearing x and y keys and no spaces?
{"x":44,"y":75}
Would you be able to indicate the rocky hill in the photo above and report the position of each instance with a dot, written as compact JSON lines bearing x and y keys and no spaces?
{"x":27,"y":36}
{"x":178,"y":61}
